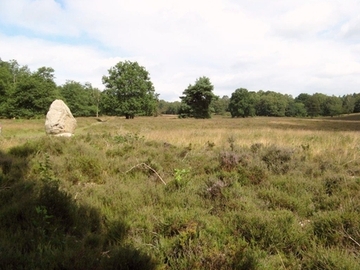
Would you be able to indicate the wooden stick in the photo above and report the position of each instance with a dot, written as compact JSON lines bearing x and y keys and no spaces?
{"x":348,"y":235}
{"x":147,"y":166}
{"x":353,"y":240}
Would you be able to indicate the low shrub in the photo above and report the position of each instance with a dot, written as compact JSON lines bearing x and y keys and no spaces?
{"x":247,"y":258}
{"x":333,"y":184}
{"x":278,"y":159}
{"x":272,"y":231}
{"x":229,"y":160}
{"x":24,"y":150}
{"x":320,"y":257}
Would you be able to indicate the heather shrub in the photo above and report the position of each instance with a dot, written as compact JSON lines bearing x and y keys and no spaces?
{"x":333,"y":184}
{"x":24,"y":150}
{"x":336,"y":229}
{"x":247,"y":258}
{"x":229,"y":160}
{"x":272,"y":231}
{"x":320,"y":257}
{"x":278,"y":159}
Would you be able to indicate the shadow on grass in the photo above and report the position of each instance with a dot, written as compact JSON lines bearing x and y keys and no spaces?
{"x":343,"y":123}
{"x":42,"y":227}
{"x":347,"y":117}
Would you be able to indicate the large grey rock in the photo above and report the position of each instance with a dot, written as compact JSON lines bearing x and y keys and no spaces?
{"x":59,"y":119}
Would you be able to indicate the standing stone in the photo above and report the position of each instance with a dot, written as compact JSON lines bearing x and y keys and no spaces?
{"x":59,"y":120}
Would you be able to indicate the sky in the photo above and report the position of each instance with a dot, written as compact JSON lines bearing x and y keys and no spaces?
{"x":285,"y":46}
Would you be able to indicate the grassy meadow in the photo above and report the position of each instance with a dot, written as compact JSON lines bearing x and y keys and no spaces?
{"x":169,"y":193}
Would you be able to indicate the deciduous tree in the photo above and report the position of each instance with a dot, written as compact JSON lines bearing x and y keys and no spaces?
{"x":81,"y":99}
{"x":220,"y":105}
{"x":197,"y":98}
{"x":348,"y":103}
{"x":271,"y":104}
{"x":32,"y":94}
{"x":242,"y":103}
{"x":129,"y":91}
{"x":6,"y":84}
{"x":333,"y":106}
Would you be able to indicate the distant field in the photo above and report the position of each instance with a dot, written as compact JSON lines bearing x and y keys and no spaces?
{"x":169,"y":128}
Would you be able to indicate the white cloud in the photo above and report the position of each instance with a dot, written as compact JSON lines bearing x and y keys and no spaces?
{"x":39,"y":16}
{"x":351,"y":29}
{"x":83,"y":64}
{"x":285,"y":46}
{"x":306,"y":19}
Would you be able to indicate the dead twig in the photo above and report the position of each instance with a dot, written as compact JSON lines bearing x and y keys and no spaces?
{"x":4,"y":188}
{"x":353,"y":240}
{"x":348,"y":235}
{"x":148,"y":167}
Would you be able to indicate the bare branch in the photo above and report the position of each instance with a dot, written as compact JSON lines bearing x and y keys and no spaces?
{"x":148,"y":167}
{"x":352,"y":239}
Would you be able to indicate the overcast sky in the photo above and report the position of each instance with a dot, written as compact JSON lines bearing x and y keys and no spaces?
{"x":286,"y":46}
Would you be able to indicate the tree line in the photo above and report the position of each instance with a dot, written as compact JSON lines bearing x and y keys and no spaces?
{"x":245,"y":103}
{"x":129,"y":92}
{"x":28,"y":94}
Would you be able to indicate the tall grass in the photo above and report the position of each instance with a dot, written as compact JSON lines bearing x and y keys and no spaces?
{"x":258,"y":193}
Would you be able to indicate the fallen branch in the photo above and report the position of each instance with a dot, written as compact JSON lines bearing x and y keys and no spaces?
{"x":353,"y":240}
{"x":4,"y":188}
{"x":147,"y":166}
{"x":348,"y":235}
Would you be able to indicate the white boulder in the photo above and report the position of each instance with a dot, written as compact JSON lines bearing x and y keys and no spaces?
{"x":59,"y":120}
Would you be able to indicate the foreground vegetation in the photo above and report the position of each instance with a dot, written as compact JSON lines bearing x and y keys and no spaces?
{"x":169,"y":193}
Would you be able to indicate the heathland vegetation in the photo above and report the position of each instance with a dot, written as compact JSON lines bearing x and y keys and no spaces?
{"x":169,"y":193}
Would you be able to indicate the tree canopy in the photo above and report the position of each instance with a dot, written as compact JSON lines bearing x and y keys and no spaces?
{"x":82,"y":99}
{"x":220,"y":105}
{"x":129,"y":91}
{"x":26,"y":94}
{"x":242,"y":103}
{"x":197,"y":98}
